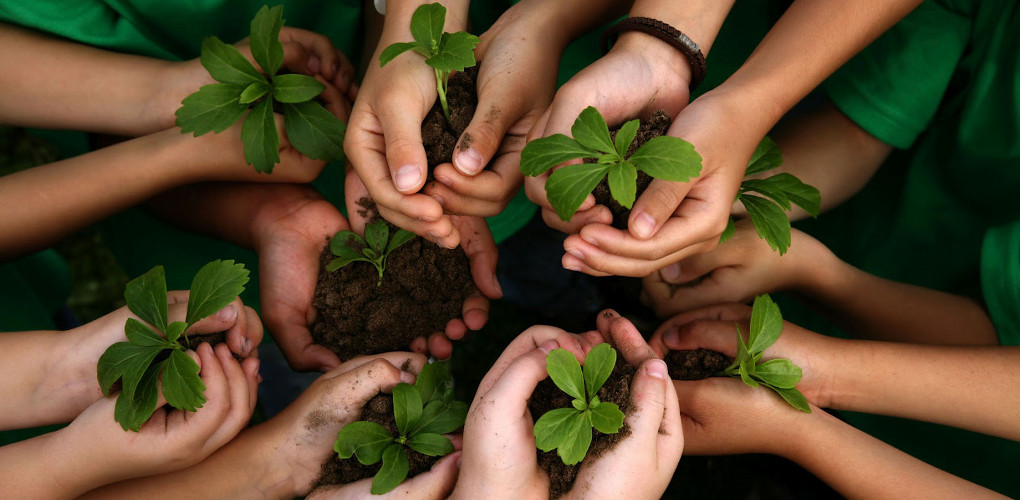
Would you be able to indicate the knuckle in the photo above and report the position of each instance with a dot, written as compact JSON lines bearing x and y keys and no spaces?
{"x":664,"y":202}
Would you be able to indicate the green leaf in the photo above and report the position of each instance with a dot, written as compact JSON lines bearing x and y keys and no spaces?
{"x":625,"y":136}
{"x":265,"y":38}
{"x":568,"y":187}
{"x":215,"y":285}
{"x":802,"y":195}
{"x":395,"y":466}
{"x":591,"y":131}
{"x":261,"y":142}
{"x":795,"y":398}
{"x":141,"y":335}
{"x":226,"y":64}
{"x":433,"y":445}
{"x":578,"y":404}
{"x":295,"y":88}
{"x":456,"y":52}
{"x":575,"y":447}
{"x":132,"y":413}
{"x":542,"y":154}
{"x":347,"y":243}
{"x":314,"y":131}
{"x":769,"y":221}
{"x":399,"y":238}
{"x":552,"y":428}
{"x":182,"y":386}
{"x":407,"y":407}
{"x":394,"y":50}
{"x":668,"y":158}
{"x":371,"y":254}
{"x":427,"y":25}
{"x":598,"y":366}
{"x":376,"y":235}
{"x":780,"y":373}
{"x":214,"y":108}
{"x":766,"y":156}
{"x":441,"y":417}
{"x":367,"y":440}
{"x":146,"y":297}
{"x":767,"y":188}
{"x":253,"y":92}
{"x":339,"y":262}
{"x":433,"y":380}
{"x":607,"y":418}
{"x":728,"y":233}
{"x":174,"y":331}
{"x":623,"y":183}
{"x":565,"y":372}
{"x":127,"y":362}
{"x":742,"y":351}
{"x":746,"y":369}
{"x":766,"y":324}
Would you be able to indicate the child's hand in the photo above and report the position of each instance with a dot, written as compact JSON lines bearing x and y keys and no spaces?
{"x":736,"y":271}
{"x":434,"y":484}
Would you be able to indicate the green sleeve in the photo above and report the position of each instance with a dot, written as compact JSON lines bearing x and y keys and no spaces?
{"x":1000,"y":280}
{"x":893,"y":87}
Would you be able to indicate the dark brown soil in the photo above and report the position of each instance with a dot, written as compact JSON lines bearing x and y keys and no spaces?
{"x":695,"y":365}
{"x":438,"y":137}
{"x":379,"y":410}
{"x":549,"y":397}
{"x":655,"y":126}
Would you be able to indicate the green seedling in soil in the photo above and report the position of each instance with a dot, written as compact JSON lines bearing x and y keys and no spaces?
{"x":777,"y":192}
{"x":135,"y":362}
{"x":780,"y":375}
{"x":443,"y":52}
{"x":311,"y":129}
{"x":423,"y":413}
{"x":568,"y":430}
{"x":374,"y":248}
{"x":663,"y":157}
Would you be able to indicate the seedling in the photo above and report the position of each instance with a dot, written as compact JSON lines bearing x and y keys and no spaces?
{"x":780,"y":375}
{"x":663,"y":157}
{"x":311,"y":129}
{"x":374,"y":248}
{"x":568,"y":430}
{"x":443,"y":52}
{"x":423,"y":413}
{"x":134,"y":362}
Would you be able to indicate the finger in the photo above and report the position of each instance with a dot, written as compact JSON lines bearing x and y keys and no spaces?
{"x":507,"y":400}
{"x":475,"y":312}
{"x":611,"y":251}
{"x":254,"y":332}
{"x":298,"y":59}
{"x":436,"y":483}
{"x":655,"y":206}
{"x":496,"y":112}
{"x":455,"y":329}
{"x":405,"y":154}
{"x":671,"y":432}
{"x":355,"y":387}
{"x":481,"y":250}
{"x":648,"y":397}
{"x":716,"y":288}
{"x":251,"y":368}
{"x":344,"y":76}
{"x":528,"y":341}
{"x":442,"y":232}
{"x":177,"y":296}
{"x":485,"y":195}
{"x":323,"y":57}
{"x":624,"y":336}
{"x":334,"y":100}
{"x":703,"y":334}
{"x":406,"y":361}
{"x":217,"y":394}
{"x":239,"y":397}
{"x":572,"y":263}
{"x":440,"y":346}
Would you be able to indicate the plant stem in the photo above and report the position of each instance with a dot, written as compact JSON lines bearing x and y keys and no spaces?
{"x":441,"y":83}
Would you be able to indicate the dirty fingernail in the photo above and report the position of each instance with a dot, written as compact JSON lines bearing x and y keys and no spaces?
{"x":657,"y":368}
{"x":407,"y":178}
{"x":227,"y":313}
{"x":643,"y":225}
{"x":672,"y":336}
{"x":548,"y":346}
{"x":469,"y":161}
{"x":670,"y":273}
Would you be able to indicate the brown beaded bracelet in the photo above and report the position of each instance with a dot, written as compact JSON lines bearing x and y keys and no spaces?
{"x":666,"y":33}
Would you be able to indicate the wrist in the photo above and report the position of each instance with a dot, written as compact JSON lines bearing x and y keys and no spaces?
{"x":816,"y":270}
{"x":396,"y":26}
{"x":658,"y":53}
{"x":159,"y":110}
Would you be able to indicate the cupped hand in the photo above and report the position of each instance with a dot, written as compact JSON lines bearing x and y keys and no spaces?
{"x":434,"y":484}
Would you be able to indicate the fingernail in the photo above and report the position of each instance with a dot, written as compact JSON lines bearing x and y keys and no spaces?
{"x":499,"y":288}
{"x":313,"y":65}
{"x":408,"y":177}
{"x":672,"y":336}
{"x":670,"y":273}
{"x":643,"y":225}
{"x":439,"y":199}
{"x":459,"y":460}
{"x":548,"y":345}
{"x":592,"y":241}
{"x":255,"y":367}
{"x":433,"y":237}
{"x":469,"y":161}
{"x":227,"y":313}
{"x":657,"y":368}
{"x":246,"y":346}
{"x":406,"y":377}
{"x":575,"y":252}
{"x":572,"y":266}
{"x":446,"y":181}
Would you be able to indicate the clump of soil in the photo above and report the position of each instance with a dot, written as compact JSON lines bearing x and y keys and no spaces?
{"x":379,"y":409}
{"x":695,"y":365}
{"x":549,"y":397}
{"x":437,"y":134}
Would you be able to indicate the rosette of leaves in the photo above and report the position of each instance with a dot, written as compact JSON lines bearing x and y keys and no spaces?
{"x":569,"y":430}
{"x":423,"y":413}
{"x":780,"y":375}
{"x":443,"y":52}
{"x":663,"y":157}
{"x":374,"y":248}
{"x":311,"y":129}
{"x":153,"y":353}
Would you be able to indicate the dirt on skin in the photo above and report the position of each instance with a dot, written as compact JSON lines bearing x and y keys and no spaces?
{"x":549,"y":397}
{"x":379,"y":410}
{"x":695,"y":365}
{"x":438,"y":137}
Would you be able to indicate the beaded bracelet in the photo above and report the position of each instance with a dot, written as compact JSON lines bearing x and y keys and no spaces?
{"x":666,"y":33}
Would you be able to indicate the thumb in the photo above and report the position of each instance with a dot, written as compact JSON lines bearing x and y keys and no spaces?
{"x":495,"y":114}
{"x":648,"y":396}
{"x":701,"y":334}
{"x":655,"y":206}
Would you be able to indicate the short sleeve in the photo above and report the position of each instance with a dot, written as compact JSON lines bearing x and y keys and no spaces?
{"x":894,"y":86}
{"x":1000,"y":280}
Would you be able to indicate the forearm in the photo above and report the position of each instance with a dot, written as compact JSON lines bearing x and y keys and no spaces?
{"x":41,"y":468}
{"x":396,"y":26}
{"x":565,"y":20}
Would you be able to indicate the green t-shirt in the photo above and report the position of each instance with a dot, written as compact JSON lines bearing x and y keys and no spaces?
{"x":1000,"y":280}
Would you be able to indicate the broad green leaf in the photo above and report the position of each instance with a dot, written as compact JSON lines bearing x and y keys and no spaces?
{"x":766,"y":324}
{"x":131,"y":414}
{"x":427,"y":25}
{"x":433,"y":445}
{"x":390,"y":53}
{"x":214,"y":108}
{"x":542,"y":154}
{"x":226,"y":64}
{"x":174,"y":331}
{"x":766,"y":156}
{"x":339,"y":262}
{"x":367,"y":440}
{"x":767,"y":188}
{"x":295,"y":88}
{"x":376,"y":235}
{"x":578,"y":405}
{"x":668,"y":158}
{"x":742,"y":350}
{"x":141,"y":335}
{"x":575,"y":447}
{"x":568,"y":187}
{"x":265,"y":38}
{"x":598,"y":366}
{"x":607,"y":418}
{"x":625,"y":136}
{"x":591,"y":131}
{"x":314,"y":131}
{"x":769,"y":221}
{"x":261,"y":142}
{"x":551,"y":428}
{"x":623,"y":183}
{"x":395,"y":466}
{"x":407,"y":407}
{"x":182,"y":386}
{"x":802,"y":195}
{"x":253,"y":92}
{"x":346,"y":243}
{"x":399,"y":238}
{"x":565,"y":372}
{"x":215,"y":285}
{"x":728,"y":233}
{"x":795,"y":398}
{"x":456,"y":52}
{"x":127,"y":362}
{"x":441,"y":417}
{"x":746,"y":369}
{"x":780,"y":373}
{"x":146,"y":297}
{"x":371,"y":254}
{"x":433,"y":379}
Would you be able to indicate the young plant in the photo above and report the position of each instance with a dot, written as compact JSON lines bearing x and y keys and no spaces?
{"x":568,"y":430}
{"x":780,"y":375}
{"x":311,"y":129}
{"x":423,"y":413}
{"x":663,"y":157}
{"x":135,"y":362}
{"x":777,"y":192}
{"x":443,"y":52}
{"x":374,"y":248}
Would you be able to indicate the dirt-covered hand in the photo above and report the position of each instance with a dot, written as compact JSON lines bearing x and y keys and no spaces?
{"x":434,"y":484}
